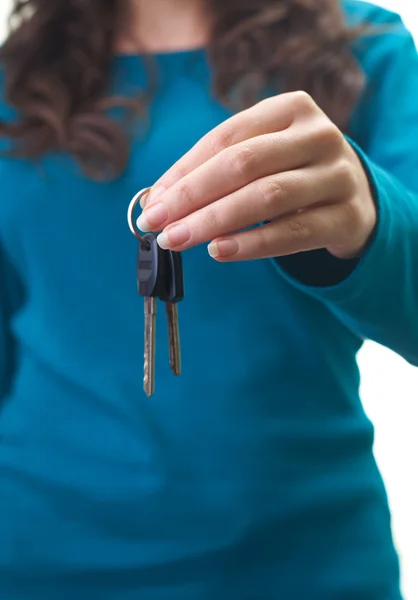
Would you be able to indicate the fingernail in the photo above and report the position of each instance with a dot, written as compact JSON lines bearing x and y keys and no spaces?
{"x":223,"y":248}
{"x":153,"y":195}
{"x":174,"y":237}
{"x":152,"y":217}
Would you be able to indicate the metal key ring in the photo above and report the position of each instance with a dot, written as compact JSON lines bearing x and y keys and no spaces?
{"x":131,"y":209}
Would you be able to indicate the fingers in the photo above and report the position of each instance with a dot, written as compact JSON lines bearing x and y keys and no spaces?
{"x":260,"y":201}
{"x":316,"y":228}
{"x":276,"y":160}
{"x":230,"y":170}
{"x":269,"y":116}
{"x":235,"y":167}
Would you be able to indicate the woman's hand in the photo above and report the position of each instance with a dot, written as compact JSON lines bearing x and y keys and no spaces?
{"x":281,"y":162}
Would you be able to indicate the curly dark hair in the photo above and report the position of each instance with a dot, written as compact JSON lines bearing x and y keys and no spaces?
{"x":57,"y":63}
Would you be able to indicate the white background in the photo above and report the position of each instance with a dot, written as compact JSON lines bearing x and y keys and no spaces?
{"x":390,"y":395}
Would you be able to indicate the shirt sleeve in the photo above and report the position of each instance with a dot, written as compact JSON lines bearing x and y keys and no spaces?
{"x":378,"y":298}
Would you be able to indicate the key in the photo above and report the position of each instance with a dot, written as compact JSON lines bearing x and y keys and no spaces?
{"x":174,"y":296}
{"x":159,"y":277}
{"x":152,"y":284}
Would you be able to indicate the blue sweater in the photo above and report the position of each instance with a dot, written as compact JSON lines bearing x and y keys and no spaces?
{"x":250,"y":477}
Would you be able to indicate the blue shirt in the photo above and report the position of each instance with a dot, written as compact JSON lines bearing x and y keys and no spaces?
{"x":250,"y":477}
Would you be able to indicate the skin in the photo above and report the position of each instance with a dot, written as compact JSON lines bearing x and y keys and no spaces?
{"x":282,"y":162}
{"x":185,"y":25}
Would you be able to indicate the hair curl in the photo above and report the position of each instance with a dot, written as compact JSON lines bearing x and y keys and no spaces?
{"x":57,"y":64}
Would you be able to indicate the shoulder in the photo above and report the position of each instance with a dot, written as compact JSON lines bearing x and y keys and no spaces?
{"x":388,"y":57}
{"x":359,"y":12}
{"x":386,"y":42}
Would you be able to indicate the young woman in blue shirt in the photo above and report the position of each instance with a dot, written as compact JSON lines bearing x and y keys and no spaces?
{"x":282,"y":137}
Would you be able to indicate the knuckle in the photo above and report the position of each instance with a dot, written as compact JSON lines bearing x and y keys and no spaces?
{"x":179,"y":172}
{"x":241,"y":159}
{"x":347,"y":176}
{"x":270,"y":192}
{"x":186,"y":196}
{"x":299,"y":231}
{"x":176,"y":174}
{"x":303,"y":102}
{"x":261,"y":245}
{"x":221,"y":139}
{"x":328,"y":137}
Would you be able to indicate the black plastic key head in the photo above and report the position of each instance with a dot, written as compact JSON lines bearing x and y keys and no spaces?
{"x":175,"y":279}
{"x":173,"y":283}
{"x":151,"y":268}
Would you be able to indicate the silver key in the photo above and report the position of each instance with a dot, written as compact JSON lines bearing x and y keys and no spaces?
{"x":159,"y":276}
{"x":174,"y":337}
{"x":150,"y":315}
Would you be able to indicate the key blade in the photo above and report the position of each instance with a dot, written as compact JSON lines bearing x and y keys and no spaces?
{"x":174,"y":337}
{"x":150,"y":314}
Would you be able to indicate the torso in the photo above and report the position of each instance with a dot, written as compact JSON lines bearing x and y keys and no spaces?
{"x":254,"y":466}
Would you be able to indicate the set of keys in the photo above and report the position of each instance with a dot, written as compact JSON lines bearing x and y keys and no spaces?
{"x":159,"y":277}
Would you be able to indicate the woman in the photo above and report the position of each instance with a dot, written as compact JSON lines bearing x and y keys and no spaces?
{"x":251,"y":476}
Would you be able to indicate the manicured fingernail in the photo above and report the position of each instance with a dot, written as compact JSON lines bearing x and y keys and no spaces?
{"x":174,"y":237}
{"x":223,"y":248}
{"x":153,"y":195}
{"x":152,"y":217}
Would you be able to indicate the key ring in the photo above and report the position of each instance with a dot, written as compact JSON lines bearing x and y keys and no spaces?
{"x":131,"y":209}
